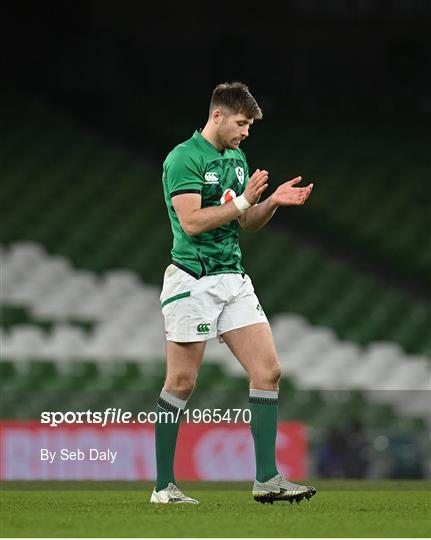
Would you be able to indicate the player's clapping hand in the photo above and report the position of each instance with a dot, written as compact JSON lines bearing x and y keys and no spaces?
{"x":257,"y":184}
{"x":289,"y":195}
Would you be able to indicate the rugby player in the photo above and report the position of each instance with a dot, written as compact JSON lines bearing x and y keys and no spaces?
{"x":209,"y":194}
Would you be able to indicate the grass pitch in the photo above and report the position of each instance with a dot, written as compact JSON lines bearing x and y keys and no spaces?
{"x":122,"y":509}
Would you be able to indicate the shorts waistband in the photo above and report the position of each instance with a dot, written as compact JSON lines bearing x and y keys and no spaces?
{"x":193,"y":274}
{"x":181,"y":267}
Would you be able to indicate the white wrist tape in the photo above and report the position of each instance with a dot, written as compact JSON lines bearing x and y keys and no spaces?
{"x":241,"y":203}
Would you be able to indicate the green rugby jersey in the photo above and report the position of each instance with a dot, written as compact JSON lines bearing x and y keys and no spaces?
{"x":196,"y":166}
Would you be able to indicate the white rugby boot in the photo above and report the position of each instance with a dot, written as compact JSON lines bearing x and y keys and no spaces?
{"x":171,"y":495}
{"x":280,"y":489}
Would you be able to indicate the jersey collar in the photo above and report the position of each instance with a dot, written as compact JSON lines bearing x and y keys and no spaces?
{"x":203,"y":143}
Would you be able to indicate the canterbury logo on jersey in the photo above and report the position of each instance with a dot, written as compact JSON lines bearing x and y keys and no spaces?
{"x":203,"y":328}
{"x":227,"y":196}
{"x":211,"y":178}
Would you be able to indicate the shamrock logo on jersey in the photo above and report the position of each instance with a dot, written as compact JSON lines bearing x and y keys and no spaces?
{"x":227,"y":196}
{"x":240,"y":174}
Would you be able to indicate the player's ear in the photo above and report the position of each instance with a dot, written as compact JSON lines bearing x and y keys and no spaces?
{"x":217,"y":116}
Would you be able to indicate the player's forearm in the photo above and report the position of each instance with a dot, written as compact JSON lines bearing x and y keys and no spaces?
{"x":258,"y":215}
{"x":211,"y":217}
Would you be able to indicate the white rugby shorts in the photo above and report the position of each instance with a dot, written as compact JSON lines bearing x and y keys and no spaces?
{"x":205,"y":308}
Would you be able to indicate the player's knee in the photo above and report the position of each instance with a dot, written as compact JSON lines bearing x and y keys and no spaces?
{"x":268,"y":376}
{"x":181,"y":384}
{"x":274,"y":374}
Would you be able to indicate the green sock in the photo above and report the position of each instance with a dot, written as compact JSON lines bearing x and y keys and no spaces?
{"x":166,"y":438}
{"x":263,"y":407}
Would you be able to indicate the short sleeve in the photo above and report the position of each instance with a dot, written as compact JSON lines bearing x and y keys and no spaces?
{"x":182,"y":175}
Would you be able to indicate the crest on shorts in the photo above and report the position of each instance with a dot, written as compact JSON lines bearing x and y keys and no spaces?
{"x":227,"y":196}
{"x":239,"y":171}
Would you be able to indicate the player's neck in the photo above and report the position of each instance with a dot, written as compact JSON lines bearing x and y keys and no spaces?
{"x":210,"y":135}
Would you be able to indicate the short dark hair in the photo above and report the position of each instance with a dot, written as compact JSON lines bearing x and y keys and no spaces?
{"x":236,"y":97}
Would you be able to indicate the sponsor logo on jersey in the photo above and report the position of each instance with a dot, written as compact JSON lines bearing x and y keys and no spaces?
{"x":203,"y":328}
{"x":211,"y":178}
{"x":239,"y":171}
{"x":227,"y":196}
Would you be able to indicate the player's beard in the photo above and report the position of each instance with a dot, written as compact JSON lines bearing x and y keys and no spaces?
{"x":227,"y":141}
{"x":226,"y":137}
